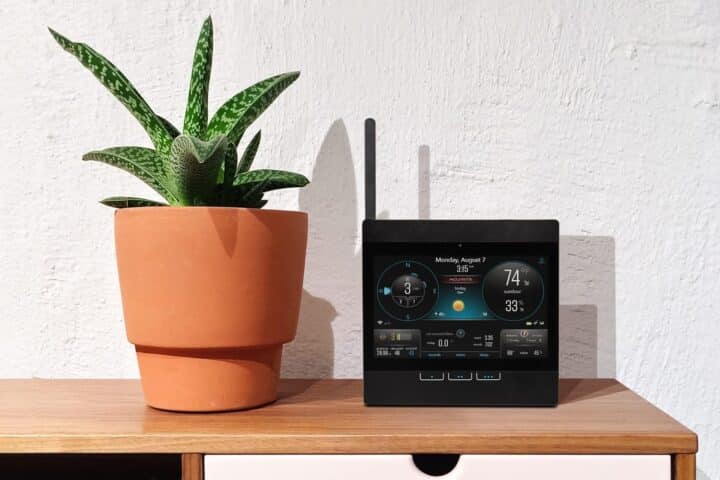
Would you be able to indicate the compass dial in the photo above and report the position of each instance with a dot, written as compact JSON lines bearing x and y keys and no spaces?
{"x":407,"y":290}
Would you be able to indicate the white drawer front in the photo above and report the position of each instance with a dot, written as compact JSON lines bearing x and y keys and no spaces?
{"x":401,"y":467}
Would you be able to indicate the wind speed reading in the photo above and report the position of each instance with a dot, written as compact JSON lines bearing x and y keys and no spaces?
{"x":407,"y":290}
{"x":513,"y":290}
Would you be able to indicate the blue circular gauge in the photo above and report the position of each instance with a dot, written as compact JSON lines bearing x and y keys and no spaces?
{"x":407,"y":290}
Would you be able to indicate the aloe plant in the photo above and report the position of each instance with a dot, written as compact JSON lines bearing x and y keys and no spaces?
{"x":199,"y":166}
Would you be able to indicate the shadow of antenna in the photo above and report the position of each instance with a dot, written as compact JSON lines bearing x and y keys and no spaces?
{"x":424,"y":182}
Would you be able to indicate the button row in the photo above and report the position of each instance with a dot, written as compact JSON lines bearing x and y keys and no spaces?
{"x":459,"y":376}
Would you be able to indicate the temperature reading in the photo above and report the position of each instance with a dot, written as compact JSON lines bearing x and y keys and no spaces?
{"x":513,"y":276}
{"x":513,"y":290}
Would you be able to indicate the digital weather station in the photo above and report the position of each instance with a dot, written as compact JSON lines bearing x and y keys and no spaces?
{"x":458,"y":312}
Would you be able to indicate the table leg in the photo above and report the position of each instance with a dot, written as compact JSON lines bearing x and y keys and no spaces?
{"x":683,"y":466}
{"x":192,"y":466}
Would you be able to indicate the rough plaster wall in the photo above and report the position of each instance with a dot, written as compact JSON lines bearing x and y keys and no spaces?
{"x":605,"y":115}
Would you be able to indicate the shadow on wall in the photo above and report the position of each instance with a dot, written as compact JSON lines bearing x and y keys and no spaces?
{"x":587,"y":306}
{"x":587,"y":272}
{"x":578,"y":341}
{"x":587,"y":294}
{"x":331,"y":203}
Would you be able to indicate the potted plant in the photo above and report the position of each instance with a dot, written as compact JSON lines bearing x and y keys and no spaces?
{"x":210,"y":283}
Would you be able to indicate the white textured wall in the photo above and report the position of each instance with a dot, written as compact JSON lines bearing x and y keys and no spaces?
{"x":605,"y":115}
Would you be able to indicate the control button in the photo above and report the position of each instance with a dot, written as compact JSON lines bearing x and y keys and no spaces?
{"x":488,"y":354}
{"x":488,"y":376}
{"x":432,"y":355}
{"x":432,"y":376}
{"x":460,"y":376}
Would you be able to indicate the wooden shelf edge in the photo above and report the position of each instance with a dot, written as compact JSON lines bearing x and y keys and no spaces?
{"x":354,"y":444}
{"x":328,"y":416}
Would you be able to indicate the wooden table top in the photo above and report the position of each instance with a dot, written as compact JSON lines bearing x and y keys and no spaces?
{"x":328,"y":416}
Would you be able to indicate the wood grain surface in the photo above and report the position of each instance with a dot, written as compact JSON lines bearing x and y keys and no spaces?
{"x":328,"y":416}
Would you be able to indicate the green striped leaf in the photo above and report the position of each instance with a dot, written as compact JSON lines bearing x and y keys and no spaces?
{"x":114,"y":80}
{"x":241,"y":196}
{"x":233,"y":118}
{"x":228,"y":171}
{"x":142,"y":162}
{"x":249,"y":153}
{"x":196,"y":113}
{"x":194,"y":165}
{"x":129,"y":202}
{"x":270,"y":179}
{"x":172,"y":130}
{"x":251,"y":192}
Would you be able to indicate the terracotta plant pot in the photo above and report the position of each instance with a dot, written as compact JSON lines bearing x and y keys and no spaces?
{"x":210,"y":295}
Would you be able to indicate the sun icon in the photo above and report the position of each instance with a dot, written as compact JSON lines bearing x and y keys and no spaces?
{"x":458,"y":305}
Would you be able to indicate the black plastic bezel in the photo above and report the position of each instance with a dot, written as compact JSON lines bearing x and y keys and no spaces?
{"x":479,"y":237}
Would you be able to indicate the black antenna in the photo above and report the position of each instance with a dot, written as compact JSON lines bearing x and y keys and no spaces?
{"x":370,"y":169}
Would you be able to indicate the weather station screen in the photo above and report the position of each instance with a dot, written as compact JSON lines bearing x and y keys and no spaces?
{"x":461,"y":306}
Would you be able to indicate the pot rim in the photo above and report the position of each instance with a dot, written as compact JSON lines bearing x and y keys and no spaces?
{"x":270,"y":211}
